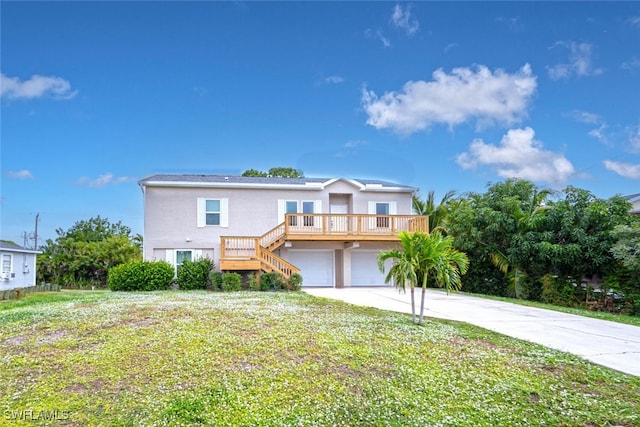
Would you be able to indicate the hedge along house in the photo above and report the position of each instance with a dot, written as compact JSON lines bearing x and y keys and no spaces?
{"x":328,"y":230}
{"x":17,"y":266}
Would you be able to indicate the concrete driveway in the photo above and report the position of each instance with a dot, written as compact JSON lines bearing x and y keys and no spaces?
{"x":610,"y":344}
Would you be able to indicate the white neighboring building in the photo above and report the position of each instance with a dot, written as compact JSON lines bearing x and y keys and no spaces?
{"x":634,"y":199}
{"x":17,"y":266}
{"x":329,"y":230}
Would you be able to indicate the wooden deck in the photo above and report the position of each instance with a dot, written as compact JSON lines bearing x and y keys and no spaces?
{"x":256,"y":252}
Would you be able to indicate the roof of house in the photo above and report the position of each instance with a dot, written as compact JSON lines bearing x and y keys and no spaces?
{"x":15,"y":248}
{"x":255,"y":181}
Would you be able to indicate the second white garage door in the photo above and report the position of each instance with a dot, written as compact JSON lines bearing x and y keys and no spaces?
{"x":364,"y":269}
{"x":316,"y":266}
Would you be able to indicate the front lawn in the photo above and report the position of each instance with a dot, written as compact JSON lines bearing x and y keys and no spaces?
{"x":273,"y":359}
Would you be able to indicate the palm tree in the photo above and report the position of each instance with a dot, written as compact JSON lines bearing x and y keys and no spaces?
{"x":405,"y":267}
{"x":439,"y":258}
{"x":423,"y":255}
{"x":437,"y":213}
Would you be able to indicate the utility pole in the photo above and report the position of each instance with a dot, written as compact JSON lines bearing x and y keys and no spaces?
{"x":35,"y":234}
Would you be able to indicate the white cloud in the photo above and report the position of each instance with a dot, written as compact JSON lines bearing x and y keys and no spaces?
{"x":518,"y":155}
{"x":634,"y":138}
{"x":334,"y":80}
{"x":585,"y":117}
{"x":600,"y":134}
{"x":354,"y":144}
{"x":579,"y":63}
{"x":349,"y":148}
{"x":402,"y":18}
{"x":453,"y":99}
{"x":635,"y":21}
{"x":513,"y":24}
{"x":21,"y":174}
{"x":36,"y":87}
{"x":450,"y":46}
{"x":102,"y":180}
{"x":626,"y":170}
{"x":377,"y":35}
{"x":631,"y":64}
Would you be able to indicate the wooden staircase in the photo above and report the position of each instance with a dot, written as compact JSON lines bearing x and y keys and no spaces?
{"x":256,"y":253}
{"x":251,"y":253}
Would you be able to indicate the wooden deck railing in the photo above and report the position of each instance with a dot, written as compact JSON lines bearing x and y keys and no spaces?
{"x":353,"y":224}
{"x":315,"y":226}
{"x":273,"y":236}
{"x":272,"y":262}
{"x":332,"y":226}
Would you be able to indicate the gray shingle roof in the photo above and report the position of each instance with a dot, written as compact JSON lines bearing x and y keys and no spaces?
{"x":13,"y":247}
{"x":7,"y":245}
{"x":235,"y":179}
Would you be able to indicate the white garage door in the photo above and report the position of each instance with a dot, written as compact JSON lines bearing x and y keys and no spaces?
{"x":316,"y":267}
{"x":364,"y":269}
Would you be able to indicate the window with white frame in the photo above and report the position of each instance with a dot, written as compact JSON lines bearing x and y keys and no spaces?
{"x":308,"y":208}
{"x":7,"y":261}
{"x":381,"y":212}
{"x":382,"y":209}
{"x":291,"y":207}
{"x":177,"y":257}
{"x":213,"y":212}
{"x":181,"y":256}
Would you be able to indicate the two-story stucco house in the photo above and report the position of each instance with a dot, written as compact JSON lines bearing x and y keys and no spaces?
{"x":329,"y":230}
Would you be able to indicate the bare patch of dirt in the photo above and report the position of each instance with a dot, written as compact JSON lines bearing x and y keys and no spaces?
{"x":52,"y":337}
{"x":534,"y":397}
{"x":17,"y":340}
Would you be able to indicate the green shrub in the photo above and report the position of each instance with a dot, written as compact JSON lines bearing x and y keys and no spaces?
{"x":231,"y":282}
{"x":271,"y":281}
{"x":559,"y":291}
{"x":194,"y":274}
{"x":295,"y":282}
{"x":140,"y":276}
{"x":254,"y":282}
{"x":215,"y":277}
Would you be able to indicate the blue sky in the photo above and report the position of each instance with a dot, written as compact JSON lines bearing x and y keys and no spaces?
{"x":451,"y":95}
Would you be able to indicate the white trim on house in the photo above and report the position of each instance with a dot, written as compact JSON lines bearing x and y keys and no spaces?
{"x":309,"y":185}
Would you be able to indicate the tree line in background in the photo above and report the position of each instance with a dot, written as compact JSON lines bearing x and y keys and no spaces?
{"x":82,"y":256}
{"x":566,"y":247}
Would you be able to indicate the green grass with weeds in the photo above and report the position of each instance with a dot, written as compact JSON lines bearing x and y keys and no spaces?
{"x":278,"y":359}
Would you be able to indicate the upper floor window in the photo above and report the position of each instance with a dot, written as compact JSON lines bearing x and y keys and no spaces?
{"x":291,"y":207}
{"x":213,"y":212}
{"x":382,"y":209}
{"x":308,"y":208}
{"x":301,"y":211}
